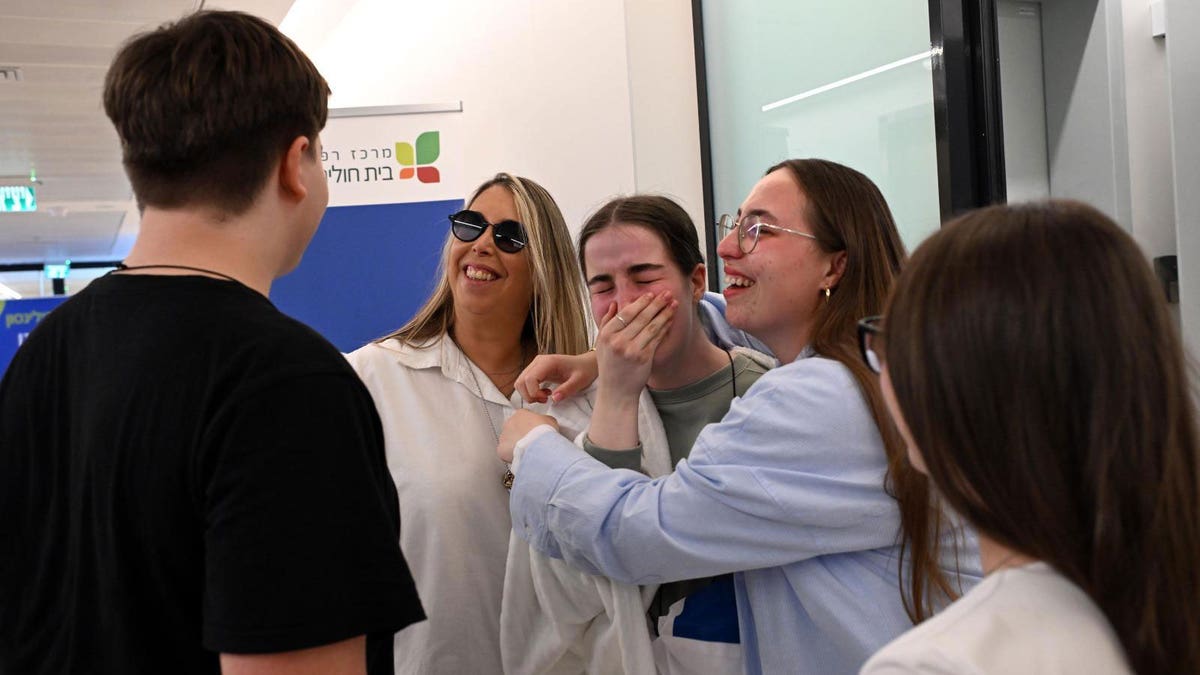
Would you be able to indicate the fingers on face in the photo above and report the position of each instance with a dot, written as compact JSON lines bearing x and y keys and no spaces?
{"x":609,"y":315}
{"x":639,"y":344}
{"x":638,"y":314}
{"x":656,"y":329}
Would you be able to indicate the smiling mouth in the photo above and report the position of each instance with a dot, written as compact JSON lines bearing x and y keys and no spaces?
{"x":735,"y":281}
{"x":479,"y":274}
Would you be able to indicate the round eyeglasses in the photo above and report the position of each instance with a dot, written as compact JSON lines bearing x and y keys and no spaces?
{"x":870,"y":342}
{"x":748,"y":229}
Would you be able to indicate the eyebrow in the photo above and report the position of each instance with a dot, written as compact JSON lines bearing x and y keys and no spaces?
{"x":757,"y":212}
{"x":632,"y":269}
{"x":644,"y":267}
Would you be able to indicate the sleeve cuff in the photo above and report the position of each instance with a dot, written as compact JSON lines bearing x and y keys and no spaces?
{"x":520,"y":446}
{"x":615,"y":459}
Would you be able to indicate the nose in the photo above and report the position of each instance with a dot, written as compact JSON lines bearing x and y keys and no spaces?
{"x":728,"y":249}
{"x":626,"y":294}
{"x":485,"y":242}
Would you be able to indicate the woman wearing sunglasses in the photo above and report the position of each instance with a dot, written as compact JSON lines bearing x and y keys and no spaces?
{"x":443,"y":383}
{"x":801,"y":490}
{"x":1037,"y":377}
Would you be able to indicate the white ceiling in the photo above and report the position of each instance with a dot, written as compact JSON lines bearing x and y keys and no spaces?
{"x":52,"y":123}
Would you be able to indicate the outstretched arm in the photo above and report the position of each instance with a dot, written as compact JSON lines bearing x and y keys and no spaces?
{"x":794,"y":471}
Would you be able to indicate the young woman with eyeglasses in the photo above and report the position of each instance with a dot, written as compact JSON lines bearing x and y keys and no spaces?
{"x":508,"y":290}
{"x":635,"y":251}
{"x":802,"y":489}
{"x":1038,"y":379}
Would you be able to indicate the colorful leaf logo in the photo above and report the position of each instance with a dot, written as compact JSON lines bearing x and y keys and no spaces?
{"x":419,"y":161}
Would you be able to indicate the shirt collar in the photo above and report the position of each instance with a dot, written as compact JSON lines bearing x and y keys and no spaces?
{"x":444,"y":354}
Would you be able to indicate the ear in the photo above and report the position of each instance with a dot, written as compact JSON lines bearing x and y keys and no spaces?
{"x":837,"y":267}
{"x":291,"y":178}
{"x":699,"y":281}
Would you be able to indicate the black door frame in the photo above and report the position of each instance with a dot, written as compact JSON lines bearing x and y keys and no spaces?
{"x":966,"y":97}
{"x":967,"y":113}
{"x":706,"y":177}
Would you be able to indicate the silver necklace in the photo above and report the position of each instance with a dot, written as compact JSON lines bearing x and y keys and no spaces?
{"x":507,"y":479}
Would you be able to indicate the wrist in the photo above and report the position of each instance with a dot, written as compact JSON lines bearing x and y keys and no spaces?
{"x":614,"y":421}
{"x":616,"y":388}
{"x":621,"y":403}
{"x":525,"y":441}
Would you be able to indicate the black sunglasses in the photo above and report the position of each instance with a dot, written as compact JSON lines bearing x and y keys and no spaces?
{"x":467,"y":225}
{"x":870,"y":342}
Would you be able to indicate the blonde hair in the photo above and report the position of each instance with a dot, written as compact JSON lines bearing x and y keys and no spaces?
{"x":558,"y":319}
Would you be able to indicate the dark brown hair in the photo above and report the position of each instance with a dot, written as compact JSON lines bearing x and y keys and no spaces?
{"x":660,"y":215}
{"x":1043,"y":380}
{"x":847,"y":212}
{"x":205,"y":108}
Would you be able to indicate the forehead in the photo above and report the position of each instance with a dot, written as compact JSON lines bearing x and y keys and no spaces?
{"x":776,"y":194}
{"x":623,"y":245}
{"x":496,"y":204}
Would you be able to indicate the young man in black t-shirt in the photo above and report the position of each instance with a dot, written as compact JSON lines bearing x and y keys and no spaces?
{"x":190,"y":481}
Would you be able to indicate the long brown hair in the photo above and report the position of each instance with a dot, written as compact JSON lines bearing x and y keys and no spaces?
{"x":1044,"y":382}
{"x":557,"y":321}
{"x":847,"y":212}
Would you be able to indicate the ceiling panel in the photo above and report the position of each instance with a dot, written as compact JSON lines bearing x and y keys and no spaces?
{"x":53,"y":123}
{"x":66,"y":30}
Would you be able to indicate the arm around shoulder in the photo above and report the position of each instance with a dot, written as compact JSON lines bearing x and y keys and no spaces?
{"x":763,"y":487}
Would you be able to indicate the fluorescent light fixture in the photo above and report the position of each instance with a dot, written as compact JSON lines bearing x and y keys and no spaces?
{"x":7,"y":293}
{"x":853,"y":78}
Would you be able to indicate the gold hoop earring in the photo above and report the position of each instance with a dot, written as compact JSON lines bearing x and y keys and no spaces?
{"x":828,"y":292}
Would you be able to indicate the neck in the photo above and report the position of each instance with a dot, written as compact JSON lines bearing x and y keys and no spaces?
{"x":236,"y":247}
{"x":697,"y":359}
{"x":495,"y":348}
{"x":787,"y":348}
{"x":995,"y":556}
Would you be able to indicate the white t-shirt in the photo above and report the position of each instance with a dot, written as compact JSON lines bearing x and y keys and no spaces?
{"x":1029,"y":620}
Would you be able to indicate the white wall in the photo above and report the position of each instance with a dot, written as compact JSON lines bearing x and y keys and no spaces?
{"x":662,"y":84}
{"x":1183,"y":76}
{"x":1023,"y":100}
{"x":1086,"y":104}
{"x":590,"y":98}
{"x":1152,"y":192}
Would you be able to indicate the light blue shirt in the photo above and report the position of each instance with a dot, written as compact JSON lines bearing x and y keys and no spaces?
{"x":787,"y":491}
{"x":720,"y":333}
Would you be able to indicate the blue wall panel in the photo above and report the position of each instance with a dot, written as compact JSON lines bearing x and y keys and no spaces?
{"x":17,"y":319}
{"x":367,"y":270}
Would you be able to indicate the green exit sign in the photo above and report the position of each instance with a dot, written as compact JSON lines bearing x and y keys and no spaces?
{"x":17,"y":199}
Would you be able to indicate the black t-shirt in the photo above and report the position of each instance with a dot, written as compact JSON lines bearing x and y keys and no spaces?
{"x":186,"y":471}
